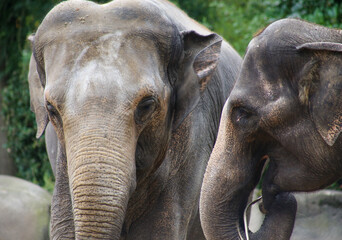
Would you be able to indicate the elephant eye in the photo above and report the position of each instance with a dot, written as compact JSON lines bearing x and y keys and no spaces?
{"x":145,"y":109}
{"x":54,"y":114}
{"x":51,"y":109}
{"x":240,"y":115}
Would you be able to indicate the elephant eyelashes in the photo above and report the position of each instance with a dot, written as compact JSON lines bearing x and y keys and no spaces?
{"x":145,"y":109}
{"x":240,"y":115}
{"x":51,"y":109}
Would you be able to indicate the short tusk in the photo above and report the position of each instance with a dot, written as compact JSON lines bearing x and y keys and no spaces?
{"x":245,"y":219}
{"x":238,"y":228}
{"x":264,"y":158}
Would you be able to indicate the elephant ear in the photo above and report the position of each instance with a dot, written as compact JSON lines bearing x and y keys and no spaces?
{"x":37,"y":96}
{"x":201,"y":57}
{"x":326,"y":100}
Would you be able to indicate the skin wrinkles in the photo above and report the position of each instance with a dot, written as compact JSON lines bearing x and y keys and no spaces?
{"x":128,"y":127}
{"x":79,"y":86}
{"x":276,"y":110}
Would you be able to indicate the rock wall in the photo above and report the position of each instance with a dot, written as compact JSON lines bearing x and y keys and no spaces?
{"x":24,"y":210}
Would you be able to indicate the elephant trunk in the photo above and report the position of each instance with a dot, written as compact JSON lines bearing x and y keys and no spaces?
{"x":61,"y":207}
{"x":231,"y":175}
{"x":101,"y":170}
{"x":225,"y":188}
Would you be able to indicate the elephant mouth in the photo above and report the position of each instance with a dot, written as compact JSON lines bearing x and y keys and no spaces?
{"x":268,"y":186}
{"x":280,"y":171}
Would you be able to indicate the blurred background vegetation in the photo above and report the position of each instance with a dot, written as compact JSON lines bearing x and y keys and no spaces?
{"x":235,"y":20}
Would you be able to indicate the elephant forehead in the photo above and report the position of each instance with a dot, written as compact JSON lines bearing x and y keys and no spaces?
{"x":95,"y":80}
{"x":87,"y":20}
{"x":93,"y":30}
{"x":106,"y":48}
{"x":109,"y":61}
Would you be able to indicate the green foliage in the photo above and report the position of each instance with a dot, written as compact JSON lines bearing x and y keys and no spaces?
{"x":324,"y":12}
{"x":19,"y":19}
{"x":198,"y":9}
{"x":241,"y":20}
{"x":28,"y":153}
{"x":236,"y":20}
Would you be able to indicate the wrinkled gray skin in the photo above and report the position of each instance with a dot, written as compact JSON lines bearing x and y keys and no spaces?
{"x":134,"y":91}
{"x":285,"y":106}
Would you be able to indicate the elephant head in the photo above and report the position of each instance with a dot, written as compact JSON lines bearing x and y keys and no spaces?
{"x":285,"y":107}
{"x":115,"y":80}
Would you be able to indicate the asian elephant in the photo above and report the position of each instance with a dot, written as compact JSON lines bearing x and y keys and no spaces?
{"x":285,"y":107}
{"x":134,"y":90}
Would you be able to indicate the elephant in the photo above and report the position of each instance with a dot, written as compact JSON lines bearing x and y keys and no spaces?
{"x":51,"y":139}
{"x":281,"y":121}
{"x":134,"y":91}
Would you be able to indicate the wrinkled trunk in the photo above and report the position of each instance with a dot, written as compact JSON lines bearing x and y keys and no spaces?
{"x":231,"y":175}
{"x":101,"y":170}
{"x":61,"y":207}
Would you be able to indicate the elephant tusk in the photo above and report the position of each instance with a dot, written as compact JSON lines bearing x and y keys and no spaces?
{"x":245,"y":219}
{"x":264,"y":158}
{"x":238,"y":228}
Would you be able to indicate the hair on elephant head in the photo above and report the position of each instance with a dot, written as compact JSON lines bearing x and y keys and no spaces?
{"x":285,"y":107}
{"x":134,"y":91}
